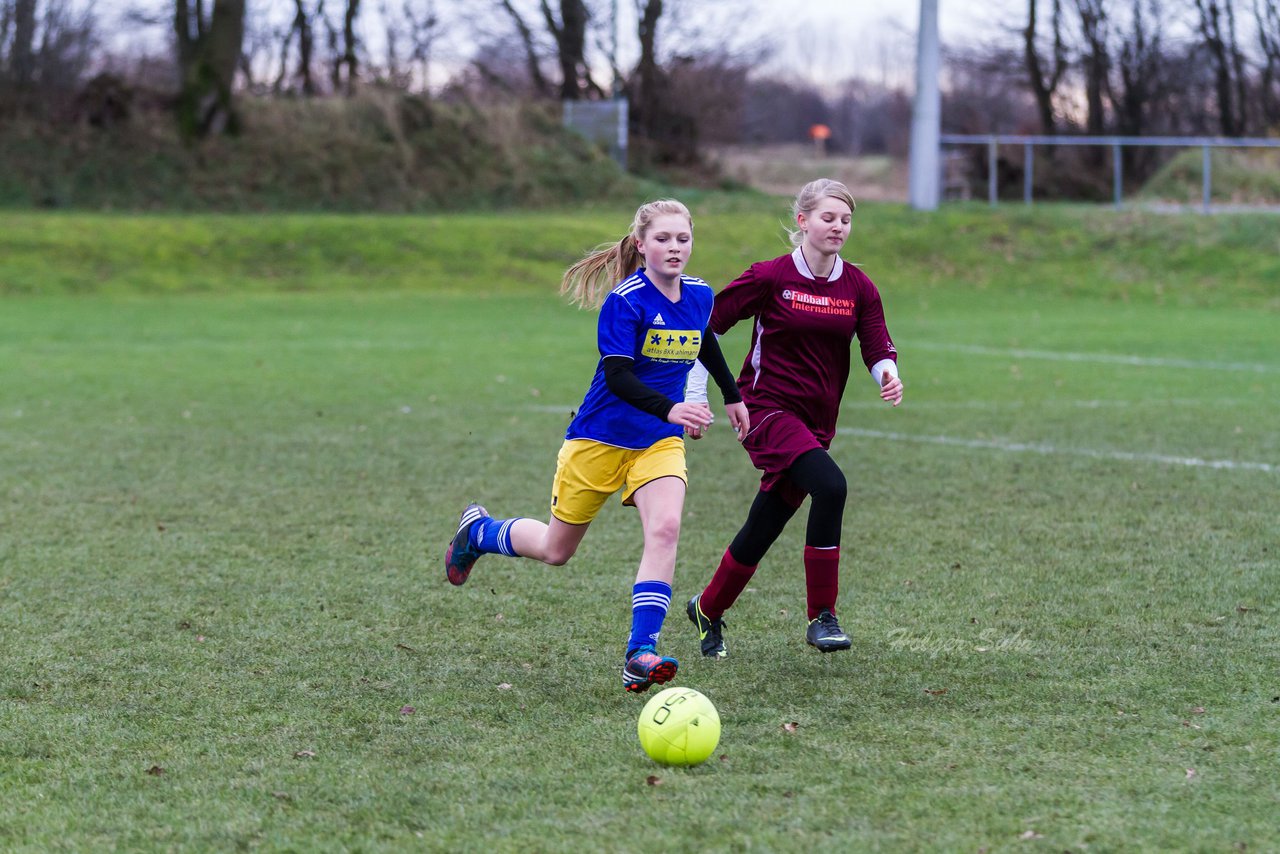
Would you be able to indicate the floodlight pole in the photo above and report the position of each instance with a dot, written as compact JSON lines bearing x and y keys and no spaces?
{"x":926,"y":114}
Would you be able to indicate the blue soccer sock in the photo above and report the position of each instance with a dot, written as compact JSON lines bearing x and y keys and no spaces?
{"x":493,"y":536}
{"x":649,"y":603}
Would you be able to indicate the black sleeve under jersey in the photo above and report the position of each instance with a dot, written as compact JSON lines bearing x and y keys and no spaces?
{"x":712,"y":358}
{"x":623,"y":382}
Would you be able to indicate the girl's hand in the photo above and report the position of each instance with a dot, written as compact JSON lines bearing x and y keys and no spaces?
{"x":691,"y":416}
{"x":891,"y":390}
{"x":739,"y":420}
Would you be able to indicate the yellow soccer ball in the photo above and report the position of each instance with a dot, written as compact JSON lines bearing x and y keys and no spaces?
{"x":679,"y":726}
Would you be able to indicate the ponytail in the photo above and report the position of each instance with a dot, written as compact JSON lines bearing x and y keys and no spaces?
{"x":589,"y":281}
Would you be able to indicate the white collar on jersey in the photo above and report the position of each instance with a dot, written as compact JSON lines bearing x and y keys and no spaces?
{"x":802,"y":266}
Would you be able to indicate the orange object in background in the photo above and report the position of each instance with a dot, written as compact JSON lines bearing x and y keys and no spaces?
{"x":820,"y":134}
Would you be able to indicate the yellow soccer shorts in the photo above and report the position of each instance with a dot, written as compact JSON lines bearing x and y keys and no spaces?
{"x":588,"y":472}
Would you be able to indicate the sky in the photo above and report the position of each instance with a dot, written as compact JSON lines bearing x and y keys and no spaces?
{"x":817,"y":41}
{"x":823,"y":42}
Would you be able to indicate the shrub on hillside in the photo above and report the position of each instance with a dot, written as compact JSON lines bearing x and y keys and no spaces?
{"x":380,"y":151}
{"x":1238,"y":176}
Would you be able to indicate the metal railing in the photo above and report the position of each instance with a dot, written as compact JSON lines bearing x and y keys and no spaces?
{"x":1206,"y":144}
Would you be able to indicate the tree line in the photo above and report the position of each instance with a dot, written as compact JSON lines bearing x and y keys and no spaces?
{"x":1063,"y":66}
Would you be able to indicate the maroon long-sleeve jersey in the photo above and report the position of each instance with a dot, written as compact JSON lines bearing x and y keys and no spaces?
{"x":804,"y":329}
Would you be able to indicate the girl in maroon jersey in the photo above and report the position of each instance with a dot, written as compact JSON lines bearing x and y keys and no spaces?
{"x":806,"y":307}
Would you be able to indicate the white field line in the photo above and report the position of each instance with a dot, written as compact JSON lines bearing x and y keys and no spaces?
{"x":1105,"y":358}
{"x":996,"y":406}
{"x":1054,"y":450}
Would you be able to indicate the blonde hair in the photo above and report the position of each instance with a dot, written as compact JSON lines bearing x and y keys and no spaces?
{"x":809,"y":196}
{"x":587,"y":282}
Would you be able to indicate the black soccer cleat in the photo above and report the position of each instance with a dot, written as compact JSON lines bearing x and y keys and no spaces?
{"x":710,"y":632}
{"x":824,"y":632}
{"x":461,"y":555}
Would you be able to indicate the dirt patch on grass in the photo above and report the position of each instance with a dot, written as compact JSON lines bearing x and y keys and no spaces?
{"x":784,"y":169}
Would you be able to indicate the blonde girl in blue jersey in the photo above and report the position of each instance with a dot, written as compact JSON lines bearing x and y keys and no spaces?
{"x":628,"y":433}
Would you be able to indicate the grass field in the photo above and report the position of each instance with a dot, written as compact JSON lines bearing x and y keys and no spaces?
{"x":232,"y":451}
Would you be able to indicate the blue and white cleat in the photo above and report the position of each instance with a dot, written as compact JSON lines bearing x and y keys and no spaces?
{"x":645,"y":667}
{"x":461,"y":554}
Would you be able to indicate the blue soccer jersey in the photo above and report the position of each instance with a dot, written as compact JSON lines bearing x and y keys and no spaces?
{"x":663,"y":339}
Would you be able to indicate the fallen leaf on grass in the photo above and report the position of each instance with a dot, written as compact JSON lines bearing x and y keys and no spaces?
{"x":407,"y":710}
{"x":790,"y":726}
{"x":935,"y":692}
{"x":1198,"y":710}
{"x":305,"y":754}
{"x":282,"y":796}
{"x":653,"y":780}
{"x":155,"y":770}
{"x":405,"y":647}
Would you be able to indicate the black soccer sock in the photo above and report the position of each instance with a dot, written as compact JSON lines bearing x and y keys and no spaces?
{"x":769,"y":514}
{"x":817,"y":474}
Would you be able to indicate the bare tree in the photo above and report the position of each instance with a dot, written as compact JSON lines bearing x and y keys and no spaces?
{"x":866,"y":118}
{"x":1267,"y":16}
{"x":532,"y":60}
{"x":570,"y":34}
{"x":22,"y":57}
{"x":1096,"y":61}
{"x":302,"y":29}
{"x":45,"y":53}
{"x":342,"y":45}
{"x":711,"y":87}
{"x":350,"y":43}
{"x":648,"y":75}
{"x":1141,"y":64}
{"x":66,"y":45}
{"x":1219,"y":40}
{"x":987,"y":92}
{"x":208,"y":48}
{"x":1044,"y":83}
{"x":425,"y":28}
{"x":1142,"y":82}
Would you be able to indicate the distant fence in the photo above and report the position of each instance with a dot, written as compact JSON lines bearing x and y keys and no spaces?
{"x":602,"y":122}
{"x":1028,"y":143}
